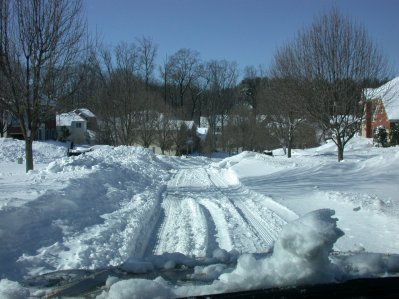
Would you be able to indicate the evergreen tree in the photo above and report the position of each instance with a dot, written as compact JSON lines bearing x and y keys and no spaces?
{"x":380,"y":137}
{"x":394,"y":135}
{"x":64,"y":134}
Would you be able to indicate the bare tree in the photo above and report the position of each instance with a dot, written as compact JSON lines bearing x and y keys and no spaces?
{"x":197,"y":91}
{"x":39,"y":40}
{"x":285,"y":113}
{"x":164,"y":127}
{"x":182,"y":69}
{"x":5,"y":117}
{"x":251,"y":86}
{"x":222,"y":77}
{"x":5,"y":120}
{"x":240,"y":130}
{"x":148,"y":117}
{"x":121,"y":91}
{"x":331,"y":63}
{"x":164,"y":132}
{"x":128,"y":107}
{"x":180,"y":136}
{"x":147,"y":52}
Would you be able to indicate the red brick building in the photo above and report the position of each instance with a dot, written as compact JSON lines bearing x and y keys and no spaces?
{"x":47,"y":130}
{"x":381,"y":108}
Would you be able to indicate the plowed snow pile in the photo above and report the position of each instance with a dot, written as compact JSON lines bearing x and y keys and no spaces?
{"x":247,"y":221}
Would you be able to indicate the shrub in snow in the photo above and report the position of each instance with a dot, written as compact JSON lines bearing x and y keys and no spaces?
{"x":394,"y":135}
{"x":64,"y":134}
{"x":380,"y":137}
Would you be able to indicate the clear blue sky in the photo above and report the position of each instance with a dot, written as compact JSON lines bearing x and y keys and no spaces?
{"x":245,"y":31}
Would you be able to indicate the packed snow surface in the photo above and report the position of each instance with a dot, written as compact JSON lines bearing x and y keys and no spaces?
{"x":243,"y":222}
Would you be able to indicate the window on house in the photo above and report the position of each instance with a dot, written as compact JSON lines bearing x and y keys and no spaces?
{"x":78,"y":125}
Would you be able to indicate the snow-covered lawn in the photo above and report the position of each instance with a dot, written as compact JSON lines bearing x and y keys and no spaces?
{"x":127,"y":207}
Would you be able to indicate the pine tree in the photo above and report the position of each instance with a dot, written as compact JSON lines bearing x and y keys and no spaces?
{"x":394,"y":135}
{"x":380,"y":137}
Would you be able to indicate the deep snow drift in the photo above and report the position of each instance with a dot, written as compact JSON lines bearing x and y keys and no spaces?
{"x":240,"y":223}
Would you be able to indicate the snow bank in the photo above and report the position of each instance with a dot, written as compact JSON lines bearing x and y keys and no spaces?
{"x":384,"y":163}
{"x":138,"y":288}
{"x":367,"y":264}
{"x":89,"y":211}
{"x":12,"y":290}
{"x":300,"y":256}
{"x":43,"y":152}
{"x":254,"y":164}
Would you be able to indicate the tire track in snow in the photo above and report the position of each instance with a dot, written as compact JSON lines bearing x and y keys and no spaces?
{"x":184,"y":228}
{"x":257,"y":223}
{"x":211,"y":235}
{"x":266,"y":215}
{"x":222,"y":236}
{"x":206,"y":207}
{"x":233,"y":231}
{"x":263,"y":221}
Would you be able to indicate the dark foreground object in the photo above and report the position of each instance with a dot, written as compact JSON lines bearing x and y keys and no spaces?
{"x":366,"y":288}
{"x":89,"y":283}
{"x":268,"y":153}
{"x":77,"y":152}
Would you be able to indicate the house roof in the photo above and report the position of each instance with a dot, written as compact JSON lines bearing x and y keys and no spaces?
{"x":85,"y":112}
{"x":176,"y":123}
{"x":389,"y":94}
{"x":66,"y":119}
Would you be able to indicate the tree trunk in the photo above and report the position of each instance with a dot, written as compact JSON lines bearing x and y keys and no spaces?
{"x":28,"y":153}
{"x":340,"y":153}
{"x":289,"y":142}
{"x":340,"y":148}
{"x":289,"y":149}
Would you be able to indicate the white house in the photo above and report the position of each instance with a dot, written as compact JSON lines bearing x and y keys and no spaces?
{"x":77,"y":126}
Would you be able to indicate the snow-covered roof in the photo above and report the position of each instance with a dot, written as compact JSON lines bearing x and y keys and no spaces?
{"x":389,"y":94}
{"x":202,"y":131}
{"x":85,"y":112}
{"x":66,"y":119}
{"x":176,"y":123}
{"x":77,"y":115}
{"x":218,"y":119}
{"x":189,"y":124}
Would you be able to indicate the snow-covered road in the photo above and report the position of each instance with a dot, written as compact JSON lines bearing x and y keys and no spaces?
{"x":205,"y":208}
